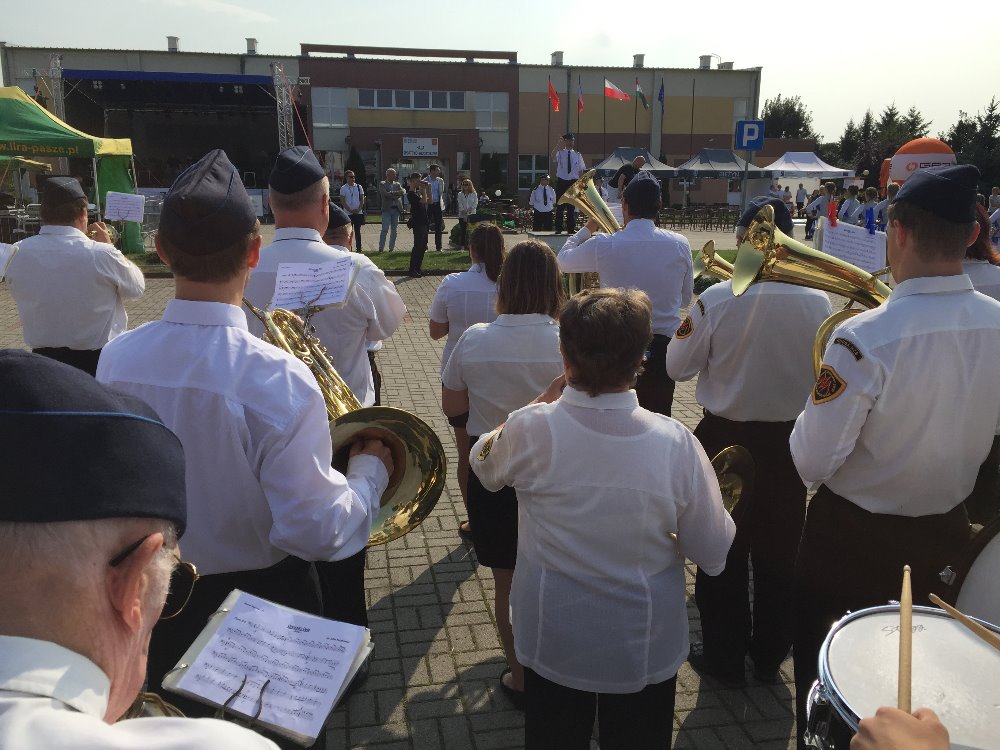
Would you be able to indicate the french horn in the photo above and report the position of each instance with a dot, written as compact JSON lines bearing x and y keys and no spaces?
{"x":585,"y":197}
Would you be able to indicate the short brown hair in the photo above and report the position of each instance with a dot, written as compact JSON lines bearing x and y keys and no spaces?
{"x":218,"y":267}
{"x":64,"y":213}
{"x":871,"y":193}
{"x":604,"y":335}
{"x":530,"y":281}
{"x":935,"y":238}
{"x":488,"y":248}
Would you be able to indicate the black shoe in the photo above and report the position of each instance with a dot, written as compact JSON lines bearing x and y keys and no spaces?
{"x":559,"y":231}
{"x":415,"y":274}
{"x":727,"y":677}
{"x":516,"y":697}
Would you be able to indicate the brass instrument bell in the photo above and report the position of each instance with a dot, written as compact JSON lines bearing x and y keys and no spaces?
{"x":586,"y":198}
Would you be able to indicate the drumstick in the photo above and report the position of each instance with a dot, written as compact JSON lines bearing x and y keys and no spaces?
{"x":985,"y":633}
{"x":905,"y":642}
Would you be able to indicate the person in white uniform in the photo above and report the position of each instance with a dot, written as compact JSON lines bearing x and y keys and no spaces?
{"x":543,"y":202}
{"x":69,"y":282}
{"x":890,"y":440}
{"x":598,"y":599}
{"x":262,"y":497}
{"x":641,"y":256}
{"x":569,"y":166}
{"x":87,"y":581}
{"x":752,"y":355}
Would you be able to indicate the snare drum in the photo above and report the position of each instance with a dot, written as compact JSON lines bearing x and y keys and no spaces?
{"x":955,"y":673}
{"x":976,"y":577}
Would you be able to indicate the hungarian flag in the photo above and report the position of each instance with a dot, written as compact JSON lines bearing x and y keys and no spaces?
{"x":553,"y":97}
{"x":579,"y":96}
{"x":612,"y":91}
{"x":642,"y":96}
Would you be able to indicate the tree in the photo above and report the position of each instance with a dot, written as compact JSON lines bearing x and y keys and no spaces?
{"x":915,"y":125}
{"x":890,"y":131}
{"x":356,"y":164}
{"x":849,"y":143}
{"x":787,"y":118}
{"x":869,"y":154}
{"x":976,"y":140}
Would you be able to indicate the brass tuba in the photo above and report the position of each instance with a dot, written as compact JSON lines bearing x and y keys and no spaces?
{"x":734,"y":468}
{"x":768,"y":254}
{"x":710,"y":264}
{"x":417,"y":455}
{"x":584,"y":196}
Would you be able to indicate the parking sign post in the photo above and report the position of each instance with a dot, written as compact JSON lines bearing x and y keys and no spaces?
{"x":749,"y":138}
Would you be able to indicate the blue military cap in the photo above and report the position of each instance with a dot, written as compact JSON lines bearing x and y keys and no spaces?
{"x":59,"y":190}
{"x":76,"y":450}
{"x":338,"y":217}
{"x":782,"y":219}
{"x":295,"y":169}
{"x":207,"y":209}
{"x":947,"y":192}
{"x":569,"y":137}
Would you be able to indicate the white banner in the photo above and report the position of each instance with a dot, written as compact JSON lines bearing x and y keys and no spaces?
{"x":904,"y":165}
{"x":420,"y":146}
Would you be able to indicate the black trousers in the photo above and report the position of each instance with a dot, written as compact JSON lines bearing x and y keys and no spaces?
{"x":541,"y":221}
{"x":342,"y":584}
{"x":436,"y":219}
{"x":357,"y":221}
{"x":654,"y":387}
{"x":984,"y":502}
{"x":850,"y":559}
{"x":768,"y":526}
{"x":81,"y":359}
{"x":561,"y":718}
{"x":376,"y":378}
{"x":419,"y":246}
{"x":288,"y":582}
{"x":463,"y":233}
{"x":565,"y":209}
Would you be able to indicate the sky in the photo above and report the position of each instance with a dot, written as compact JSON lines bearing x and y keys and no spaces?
{"x":840,"y":58}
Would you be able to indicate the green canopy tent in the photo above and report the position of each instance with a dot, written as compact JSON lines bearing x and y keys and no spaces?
{"x":29,"y":130}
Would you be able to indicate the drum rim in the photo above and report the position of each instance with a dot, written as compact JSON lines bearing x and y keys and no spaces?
{"x":971,"y":553}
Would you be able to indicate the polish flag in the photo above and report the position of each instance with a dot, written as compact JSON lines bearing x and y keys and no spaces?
{"x":612,"y":91}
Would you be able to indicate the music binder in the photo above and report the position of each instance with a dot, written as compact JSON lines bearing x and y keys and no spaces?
{"x":272,"y":666}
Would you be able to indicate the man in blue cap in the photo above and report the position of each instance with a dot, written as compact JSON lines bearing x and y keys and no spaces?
{"x":569,"y":166}
{"x":89,"y":552}
{"x":262,"y":498}
{"x":69,"y":282}
{"x":901,"y":416}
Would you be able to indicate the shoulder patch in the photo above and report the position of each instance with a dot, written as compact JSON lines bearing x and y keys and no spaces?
{"x":829,"y":385}
{"x":851,"y":347}
{"x":488,"y":445}
{"x":701,"y":306}
{"x":686,"y":329}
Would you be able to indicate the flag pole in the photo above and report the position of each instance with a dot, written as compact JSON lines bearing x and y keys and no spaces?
{"x":635,"y":115}
{"x":579,"y":84}
{"x":548,"y":126}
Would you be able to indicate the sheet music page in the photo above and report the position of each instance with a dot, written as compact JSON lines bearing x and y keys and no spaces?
{"x":124,"y":207}
{"x":300,"y":285}
{"x":855,"y":245}
{"x":304,"y":659}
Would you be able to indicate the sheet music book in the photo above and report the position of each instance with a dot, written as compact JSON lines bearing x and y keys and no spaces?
{"x":292,"y":666}
{"x":124,"y":206}
{"x":852,"y":243}
{"x":301,"y":285}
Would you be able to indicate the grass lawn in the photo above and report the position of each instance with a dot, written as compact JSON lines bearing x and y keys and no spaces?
{"x":434,"y":261}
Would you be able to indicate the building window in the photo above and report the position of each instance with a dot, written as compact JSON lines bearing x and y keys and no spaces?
{"x":421,"y":99}
{"x":439,"y":100}
{"x":408,"y":99}
{"x":403,"y":99}
{"x":492,"y":171}
{"x":329,"y":107}
{"x":491,"y":110}
{"x":456,"y":100}
{"x":383,"y":98}
{"x":462,"y":162}
{"x":366,"y":97}
{"x":530,"y":167}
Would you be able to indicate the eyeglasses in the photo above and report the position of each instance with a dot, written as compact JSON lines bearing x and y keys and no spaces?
{"x":182,"y":580}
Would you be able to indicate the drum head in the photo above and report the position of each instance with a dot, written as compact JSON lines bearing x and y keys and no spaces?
{"x":955,"y":673}
{"x":979,"y":583}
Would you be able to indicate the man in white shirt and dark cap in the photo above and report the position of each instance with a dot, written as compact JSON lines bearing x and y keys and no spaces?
{"x":69,"y":282}
{"x":262,"y":497}
{"x":753,"y":358}
{"x":569,"y":166}
{"x":543,"y":202}
{"x":89,"y":552}
{"x":888,"y":439}
{"x":644,"y":257}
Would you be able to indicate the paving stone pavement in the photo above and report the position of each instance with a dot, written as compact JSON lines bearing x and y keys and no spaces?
{"x":433,"y":682}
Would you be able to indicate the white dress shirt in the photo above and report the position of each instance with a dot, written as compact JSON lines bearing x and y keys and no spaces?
{"x":373,"y":311}
{"x":598,"y":598}
{"x":504,"y":365}
{"x":463,"y":299}
{"x":984,"y":275}
{"x":753,"y":352}
{"x":641,"y":256}
{"x":70,"y":290}
{"x":569,"y":164}
{"x":352,"y":195}
{"x":539,"y":196}
{"x":909,"y":404}
{"x":256,"y":440}
{"x":52,"y":698}
{"x":437,"y":190}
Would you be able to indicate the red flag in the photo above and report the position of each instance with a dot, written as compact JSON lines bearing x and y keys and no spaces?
{"x":831,"y":213}
{"x":579,"y":97}
{"x":553,"y":98}
{"x":613,"y":92}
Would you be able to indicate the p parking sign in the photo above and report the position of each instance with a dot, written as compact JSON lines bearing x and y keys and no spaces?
{"x":749,"y":135}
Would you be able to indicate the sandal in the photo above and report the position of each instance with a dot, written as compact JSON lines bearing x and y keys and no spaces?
{"x":516,"y":697}
{"x":465,"y":531}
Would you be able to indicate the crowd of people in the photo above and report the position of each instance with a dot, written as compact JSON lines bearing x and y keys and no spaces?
{"x":584,"y":497}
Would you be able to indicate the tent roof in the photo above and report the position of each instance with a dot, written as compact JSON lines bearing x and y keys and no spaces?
{"x":719,"y":162}
{"x":20,"y":162}
{"x":623,"y":155}
{"x":806,"y":164}
{"x":28,"y":129}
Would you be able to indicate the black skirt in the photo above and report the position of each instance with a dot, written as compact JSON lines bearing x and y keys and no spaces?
{"x":493,"y":518}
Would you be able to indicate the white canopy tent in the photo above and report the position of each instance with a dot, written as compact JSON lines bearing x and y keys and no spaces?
{"x":806,"y":164}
